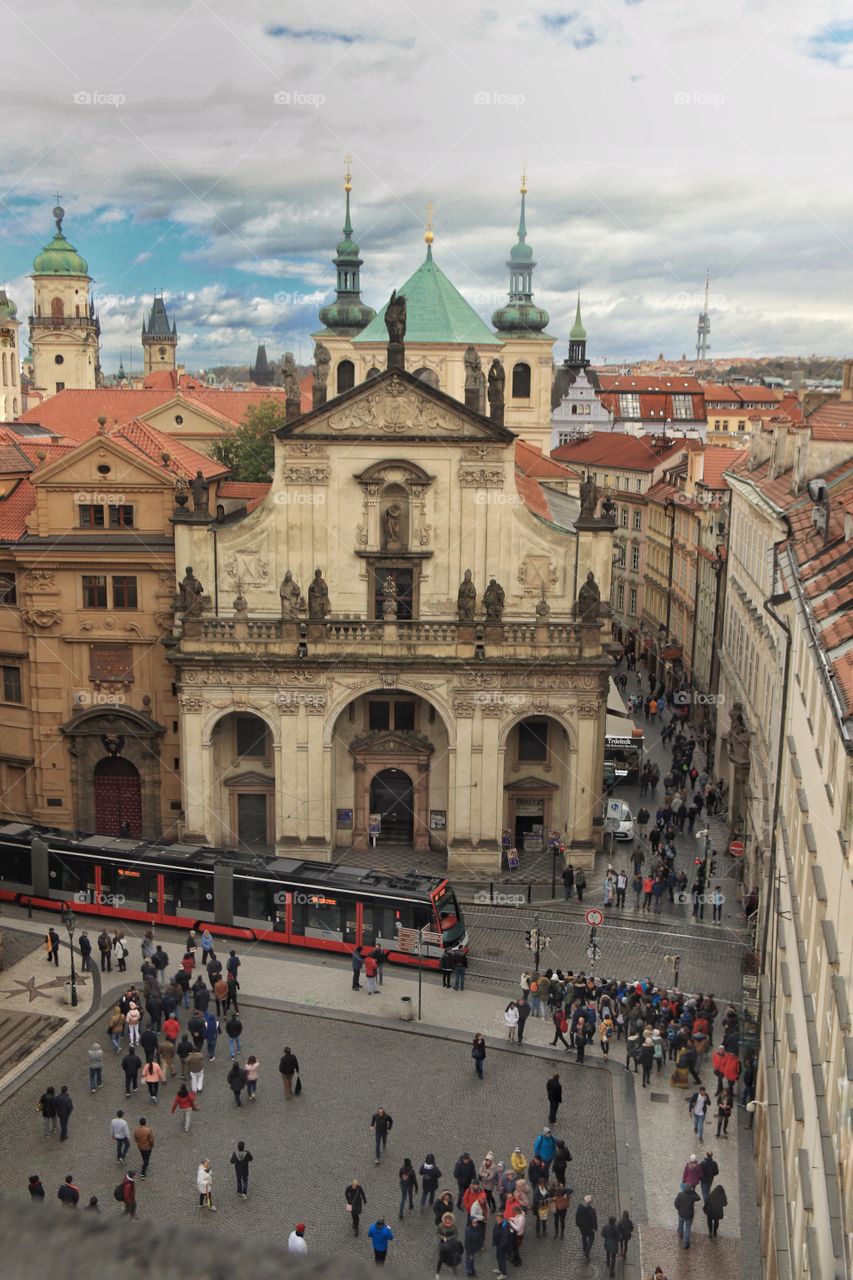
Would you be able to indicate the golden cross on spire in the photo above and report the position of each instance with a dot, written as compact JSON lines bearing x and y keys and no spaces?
{"x":347,"y":175}
{"x":428,"y":234}
{"x":524,"y":179}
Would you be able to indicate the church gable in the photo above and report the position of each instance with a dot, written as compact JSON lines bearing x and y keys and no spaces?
{"x":396,"y":406}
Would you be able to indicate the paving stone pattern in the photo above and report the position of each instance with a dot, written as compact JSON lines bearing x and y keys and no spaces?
{"x":306,"y":1150}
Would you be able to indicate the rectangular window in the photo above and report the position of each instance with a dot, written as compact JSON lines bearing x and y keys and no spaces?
{"x":533,"y":740}
{"x":8,"y":589}
{"x":124,"y":592}
{"x":12,"y":684}
{"x":638,"y":519}
{"x":741,"y":426}
{"x":635,"y":558}
{"x":378,"y":716}
{"x":633,"y":600}
{"x":682,"y":406}
{"x":716,"y":424}
{"x":121,"y":517}
{"x":620,"y":597}
{"x":94,"y":591}
{"x":91,"y":516}
{"x":60,"y":386}
{"x":624,"y":517}
{"x":629,"y":406}
{"x":639,"y":486}
{"x":404,"y":716}
{"x":251,"y":736}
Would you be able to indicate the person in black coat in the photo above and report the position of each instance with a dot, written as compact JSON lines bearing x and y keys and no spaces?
{"x":85,"y":949}
{"x":586,"y":1221}
{"x":523,"y":1015}
{"x":35,"y":1187}
{"x":446,"y":969}
{"x":237,"y":1080}
{"x":201,"y":995}
{"x":610,"y":1237}
{"x":625,"y":1228}
{"x":356,"y":1200}
{"x":444,"y":1204}
{"x":131,"y":1065}
{"x":196,"y":1027}
{"x":475,"y":1237}
{"x":184,"y":1049}
{"x":463,"y":1172}
{"x":562,"y":1156}
{"x":554,"y":1090}
{"x":149,"y":1041}
{"x":430,"y":1175}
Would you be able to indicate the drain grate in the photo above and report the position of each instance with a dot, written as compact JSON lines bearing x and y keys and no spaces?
{"x":659,"y":1097}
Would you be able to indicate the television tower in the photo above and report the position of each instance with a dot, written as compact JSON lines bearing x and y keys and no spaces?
{"x":703,"y":328}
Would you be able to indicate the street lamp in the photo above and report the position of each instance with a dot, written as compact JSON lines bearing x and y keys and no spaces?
{"x":70,"y":921}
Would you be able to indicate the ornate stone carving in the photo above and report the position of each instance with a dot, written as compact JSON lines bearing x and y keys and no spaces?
{"x":587,"y":710}
{"x":306,"y":475}
{"x":361,"y":535}
{"x":481,"y":453}
{"x":463,"y":707}
{"x":314,"y":703}
{"x":423,"y":535}
{"x":389,"y":679}
{"x":494,"y":710}
{"x":305,"y":449}
{"x":225,"y":677}
{"x":395,"y":408}
{"x":251,"y":568}
{"x":42,"y":619}
{"x":191,"y":702}
{"x":42,"y":580}
{"x":481,"y":477}
{"x":536,"y":572}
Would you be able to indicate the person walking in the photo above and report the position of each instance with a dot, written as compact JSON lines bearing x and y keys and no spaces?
{"x":545,"y":1148}
{"x":717,"y":900}
{"x":237,"y":1080}
{"x":715,"y":1207}
{"x":478,"y":1053}
{"x":195,"y":1066}
{"x":621,"y":887}
{"x":610,"y":1240}
{"x":646,"y":1057}
{"x":241,"y":1159}
{"x":143,"y":1136}
{"x":153,"y":1076}
{"x":115,"y":1027}
{"x":561,"y":1026}
{"x":355,"y":1200}
{"x":96,"y":1067}
{"x":710,"y":1169}
{"x":685,"y":1203}
{"x":430,"y":1175}
{"x":63,"y":1106}
{"x":381,"y":1124}
{"x":35,"y":1186}
{"x":204,"y":1185}
{"x":380,"y":1237}
{"x":408,"y":1185}
{"x":287,"y":1068}
{"x":580,"y":883}
{"x":586,"y":1221}
{"x":699,"y":1106}
{"x":296,"y":1239}
{"x":233,"y":1030}
{"x":105,"y":946}
{"x":252,"y":1069}
{"x":724,"y":1111}
{"x":554,"y":1090}
{"x":148,"y":1041}
{"x":186,"y":1104}
{"x":624,"y":1230}
{"x":220,"y":995}
{"x":69,"y":1193}
{"x":132,"y":1019}
{"x":47,"y":1107}
{"x":128,"y":1191}
{"x":120,"y":1133}
{"x":51,"y":946}
{"x":357,"y":964}
{"x":120,"y":951}
{"x":85,"y":945}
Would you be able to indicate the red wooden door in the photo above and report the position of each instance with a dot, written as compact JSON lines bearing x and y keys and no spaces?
{"x":118,"y":799}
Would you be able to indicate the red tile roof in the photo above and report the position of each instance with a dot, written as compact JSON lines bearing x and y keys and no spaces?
{"x":531,"y":461}
{"x":75,"y":413}
{"x":21,"y":500}
{"x":672,"y":383}
{"x":152,"y":444}
{"x":532,"y":495}
{"x":832,"y":420}
{"x":605,"y":448}
{"x":717,"y":460}
{"x":721,"y":394}
{"x":243,"y":489}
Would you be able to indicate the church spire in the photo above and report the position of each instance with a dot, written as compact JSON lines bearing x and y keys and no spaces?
{"x":577,"y":340}
{"x":521,"y":315}
{"x":347,"y":314}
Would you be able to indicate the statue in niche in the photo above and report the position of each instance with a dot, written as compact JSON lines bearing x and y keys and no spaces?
{"x":494,"y":598}
{"x":466,"y":599}
{"x":318,"y":597}
{"x":292,"y":600}
{"x":589,"y":599}
{"x":191,"y":592}
{"x":392,"y":523}
{"x":588,"y":496}
{"x":389,"y":597}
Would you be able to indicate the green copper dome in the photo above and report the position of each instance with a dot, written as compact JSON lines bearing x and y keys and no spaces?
{"x":435,"y":312}
{"x":577,"y":333}
{"x":347,"y":314}
{"x":8,"y":309}
{"x":59,"y":258}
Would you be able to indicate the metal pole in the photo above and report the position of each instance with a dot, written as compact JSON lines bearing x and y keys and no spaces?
{"x":536,"y":927}
{"x":420,"y":973}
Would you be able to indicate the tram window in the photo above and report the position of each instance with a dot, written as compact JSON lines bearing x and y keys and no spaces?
{"x":16,"y":866}
{"x":195,"y":893}
{"x":318,"y":912}
{"x":129,"y":882}
{"x":408,"y":915}
{"x":69,"y":874}
{"x":253,"y":899}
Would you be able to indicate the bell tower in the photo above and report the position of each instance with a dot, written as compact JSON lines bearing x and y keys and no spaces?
{"x":159,"y":338}
{"x":64,"y":330}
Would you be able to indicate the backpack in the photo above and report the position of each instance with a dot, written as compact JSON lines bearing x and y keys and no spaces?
{"x":564,"y":1023}
{"x":118,"y":1194}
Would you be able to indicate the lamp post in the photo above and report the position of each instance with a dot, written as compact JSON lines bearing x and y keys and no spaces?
{"x":70,"y":921}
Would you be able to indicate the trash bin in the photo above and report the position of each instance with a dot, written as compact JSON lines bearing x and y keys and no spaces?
{"x":407,"y":1012}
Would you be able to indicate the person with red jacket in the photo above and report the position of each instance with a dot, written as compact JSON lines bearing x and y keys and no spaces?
{"x":186,"y":1104}
{"x":128,"y":1190}
{"x":172,"y":1029}
{"x":371,"y":972}
{"x":474,"y":1194}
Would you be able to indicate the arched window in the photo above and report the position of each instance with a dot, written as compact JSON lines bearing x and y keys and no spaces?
{"x":346,"y":375}
{"x":373,"y":373}
{"x":57,"y":310}
{"x":521,"y":381}
{"x":4,"y":368}
{"x":574,"y":408}
{"x":427,"y":376}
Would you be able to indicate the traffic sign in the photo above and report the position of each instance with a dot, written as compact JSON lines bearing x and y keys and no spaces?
{"x":614,"y":810}
{"x":593,"y":952}
{"x":737,"y":848}
{"x":594,"y":917}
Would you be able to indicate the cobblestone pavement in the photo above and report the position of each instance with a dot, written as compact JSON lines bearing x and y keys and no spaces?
{"x":17,"y":945}
{"x":306,"y":1150}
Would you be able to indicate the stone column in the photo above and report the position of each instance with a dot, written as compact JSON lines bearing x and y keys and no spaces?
{"x":421,"y":799}
{"x":491,"y":787}
{"x":195,"y":771}
{"x":318,"y":789}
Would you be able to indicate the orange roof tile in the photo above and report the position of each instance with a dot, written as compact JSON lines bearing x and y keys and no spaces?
{"x":832,"y":420}
{"x":606,"y":448}
{"x":531,"y":461}
{"x":152,"y":444}
{"x":243,"y":489}
{"x":21,"y":500}
{"x":716,"y":461}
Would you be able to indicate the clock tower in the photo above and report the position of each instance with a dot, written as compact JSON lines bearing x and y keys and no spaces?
{"x":64,"y":330}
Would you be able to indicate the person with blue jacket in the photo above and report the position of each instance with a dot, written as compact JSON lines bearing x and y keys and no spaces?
{"x":545,"y":1147}
{"x":380,"y":1236}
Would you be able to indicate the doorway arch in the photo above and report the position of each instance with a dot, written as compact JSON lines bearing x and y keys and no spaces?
{"x":392,"y":797}
{"x":118,"y":798}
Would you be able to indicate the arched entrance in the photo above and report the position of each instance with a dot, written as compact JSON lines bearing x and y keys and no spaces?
{"x":242,"y":747}
{"x":118,"y":798}
{"x":392,"y":797}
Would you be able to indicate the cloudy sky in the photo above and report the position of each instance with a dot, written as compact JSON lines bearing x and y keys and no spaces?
{"x":199,"y":149}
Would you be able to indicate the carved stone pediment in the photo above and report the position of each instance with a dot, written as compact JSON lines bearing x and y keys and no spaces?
{"x":391,"y":741}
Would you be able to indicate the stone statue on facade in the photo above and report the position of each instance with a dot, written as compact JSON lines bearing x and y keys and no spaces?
{"x":473,"y":369}
{"x":389,"y":598}
{"x":191,"y":592}
{"x":738,"y":736}
{"x":589,"y":599}
{"x":543,"y":609}
{"x":200,"y":490}
{"x":322,"y":360}
{"x":292,"y":600}
{"x":318,"y":597}
{"x":589,"y":496}
{"x":391,"y":527}
{"x":494,"y":598}
{"x":290,"y":375}
{"x":466,"y":599}
{"x":497,"y":381}
{"x":395,"y":318}
{"x":241,"y":604}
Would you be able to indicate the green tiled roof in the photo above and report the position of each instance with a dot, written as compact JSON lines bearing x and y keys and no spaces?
{"x":59,"y":258}
{"x":435,"y":312}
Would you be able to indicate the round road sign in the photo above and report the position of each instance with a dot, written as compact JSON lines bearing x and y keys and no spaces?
{"x":737,"y":848}
{"x":594,"y":917}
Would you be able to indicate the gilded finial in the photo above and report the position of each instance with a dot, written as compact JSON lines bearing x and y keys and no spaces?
{"x":428,"y":234}
{"x":524,"y":179}
{"x":347,"y":175}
